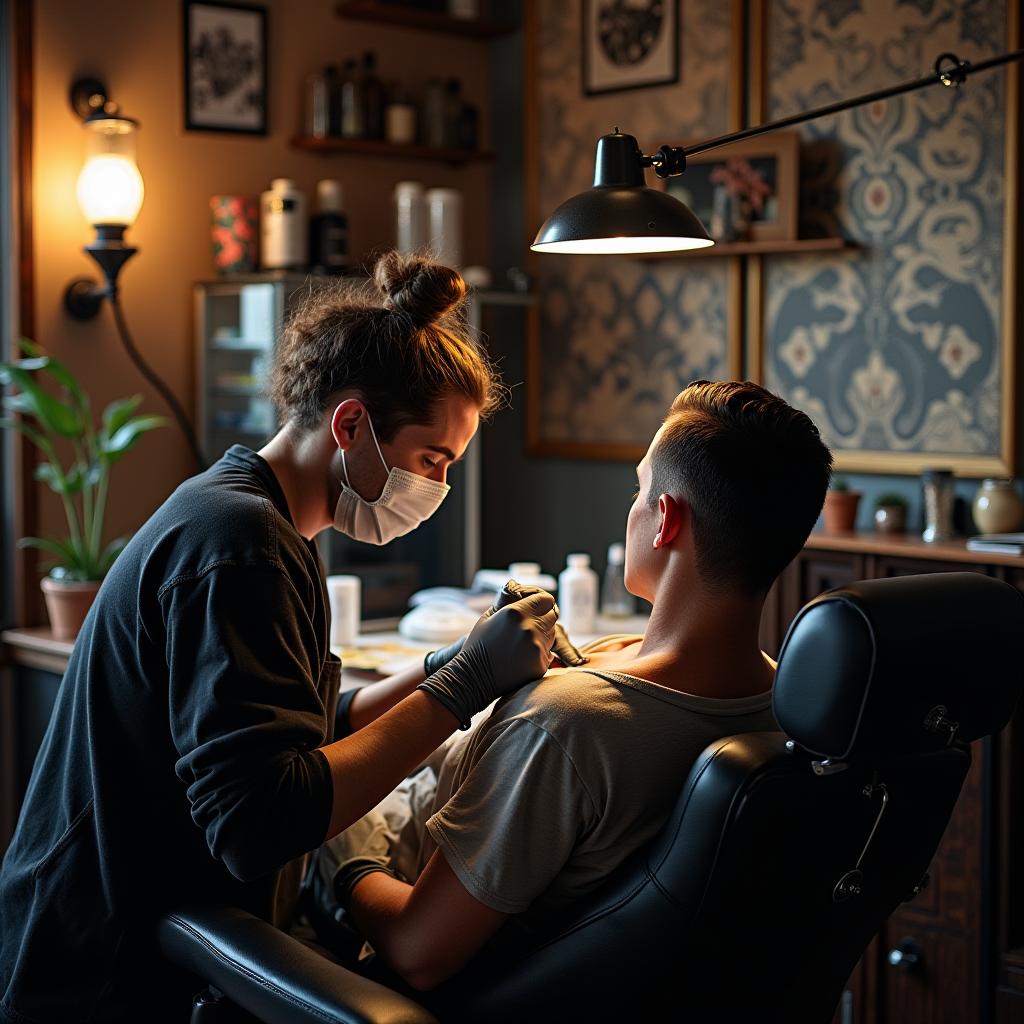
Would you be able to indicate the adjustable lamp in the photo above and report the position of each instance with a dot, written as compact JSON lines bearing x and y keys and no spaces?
{"x":619,"y":214}
{"x":109,"y":190}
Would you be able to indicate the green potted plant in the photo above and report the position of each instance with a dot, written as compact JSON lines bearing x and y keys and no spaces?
{"x":54,"y":423}
{"x":890,"y":513}
{"x":840,"y":507}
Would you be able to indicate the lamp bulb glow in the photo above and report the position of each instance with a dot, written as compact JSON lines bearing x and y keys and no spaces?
{"x":110,"y":189}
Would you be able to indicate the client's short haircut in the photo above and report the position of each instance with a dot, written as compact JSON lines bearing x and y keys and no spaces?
{"x":754,"y":471}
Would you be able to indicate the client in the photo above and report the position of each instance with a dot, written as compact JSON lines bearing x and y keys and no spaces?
{"x":533,"y":807}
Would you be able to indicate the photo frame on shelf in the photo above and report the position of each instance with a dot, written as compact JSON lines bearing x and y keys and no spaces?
{"x":629,"y":46}
{"x":761,"y":173}
{"x":225,"y":67}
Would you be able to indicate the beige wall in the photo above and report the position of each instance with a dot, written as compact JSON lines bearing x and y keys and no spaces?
{"x":136,"y":48}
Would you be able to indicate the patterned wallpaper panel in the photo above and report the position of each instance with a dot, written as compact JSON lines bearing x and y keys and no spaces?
{"x":618,"y":338}
{"x":896,"y":347}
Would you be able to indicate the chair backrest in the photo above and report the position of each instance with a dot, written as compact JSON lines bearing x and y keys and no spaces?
{"x":786,"y":852}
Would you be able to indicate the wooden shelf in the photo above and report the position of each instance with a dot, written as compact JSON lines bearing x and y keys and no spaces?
{"x":389,"y":150}
{"x":795,"y":247}
{"x":908,"y":545}
{"x":400,"y":16}
{"x":37,"y":648}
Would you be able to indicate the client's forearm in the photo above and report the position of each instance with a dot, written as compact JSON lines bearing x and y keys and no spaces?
{"x":374,"y":699}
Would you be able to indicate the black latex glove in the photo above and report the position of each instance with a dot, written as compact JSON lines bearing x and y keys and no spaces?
{"x":562,"y":648}
{"x":505,"y":649}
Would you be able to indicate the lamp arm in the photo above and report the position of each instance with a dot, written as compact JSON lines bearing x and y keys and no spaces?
{"x":670,"y":160}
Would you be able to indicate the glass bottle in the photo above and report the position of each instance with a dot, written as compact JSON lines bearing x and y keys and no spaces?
{"x":432,"y":122}
{"x":616,"y":601}
{"x":316,"y":107}
{"x":374,"y":98}
{"x":352,"y":109}
{"x":452,"y":112}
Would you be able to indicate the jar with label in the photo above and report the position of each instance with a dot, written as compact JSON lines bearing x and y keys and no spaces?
{"x":444,"y":216}
{"x":283,"y":226}
{"x":410,"y":217}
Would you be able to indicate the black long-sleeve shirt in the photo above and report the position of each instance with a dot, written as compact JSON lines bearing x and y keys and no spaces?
{"x":181,"y":758}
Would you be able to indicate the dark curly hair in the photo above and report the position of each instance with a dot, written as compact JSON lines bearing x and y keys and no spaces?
{"x":754,"y":472}
{"x":399,"y":341}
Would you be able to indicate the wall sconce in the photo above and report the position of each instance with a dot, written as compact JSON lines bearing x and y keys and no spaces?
{"x":109,"y":190}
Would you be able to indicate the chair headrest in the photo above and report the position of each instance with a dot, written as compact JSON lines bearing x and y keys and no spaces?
{"x":901,"y":665}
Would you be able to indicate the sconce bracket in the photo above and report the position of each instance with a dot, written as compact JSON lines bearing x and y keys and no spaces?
{"x":88,"y":96}
{"x":83,"y":298}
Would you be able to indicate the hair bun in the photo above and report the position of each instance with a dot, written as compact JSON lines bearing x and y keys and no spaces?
{"x":421,"y":288}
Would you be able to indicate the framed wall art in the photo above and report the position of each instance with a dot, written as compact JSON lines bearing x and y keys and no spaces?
{"x":902,"y":347}
{"x":748,"y":190}
{"x":629,"y":45}
{"x":225,"y":67}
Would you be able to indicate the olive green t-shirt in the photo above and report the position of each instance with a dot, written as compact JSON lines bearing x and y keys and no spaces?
{"x":566,"y":778}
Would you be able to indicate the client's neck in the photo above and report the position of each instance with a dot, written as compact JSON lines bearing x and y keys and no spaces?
{"x":704,"y":642}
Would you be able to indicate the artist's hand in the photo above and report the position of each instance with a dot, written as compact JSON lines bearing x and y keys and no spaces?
{"x":562,"y":648}
{"x":509,"y":646}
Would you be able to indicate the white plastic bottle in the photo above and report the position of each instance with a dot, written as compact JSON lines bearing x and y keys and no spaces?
{"x":283,"y":227}
{"x":577,"y":596}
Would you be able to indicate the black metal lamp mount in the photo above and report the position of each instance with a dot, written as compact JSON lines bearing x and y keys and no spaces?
{"x":620,"y":214}
{"x":110,"y":192}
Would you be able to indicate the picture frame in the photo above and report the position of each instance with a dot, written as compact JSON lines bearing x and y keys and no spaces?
{"x":629,"y":48}
{"x":773,"y":159}
{"x":225,"y":67}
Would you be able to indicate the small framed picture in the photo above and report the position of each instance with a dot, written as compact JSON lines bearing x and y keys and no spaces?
{"x":630,"y":45}
{"x":225,"y":67}
{"x":747,"y":190}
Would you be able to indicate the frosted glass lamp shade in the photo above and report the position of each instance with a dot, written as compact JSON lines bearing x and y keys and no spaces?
{"x":110,"y":187}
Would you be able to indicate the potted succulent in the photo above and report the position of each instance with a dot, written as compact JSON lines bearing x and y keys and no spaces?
{"x":52,"y":423}
{"x":891,"y":513}
{"x":840,"y":507}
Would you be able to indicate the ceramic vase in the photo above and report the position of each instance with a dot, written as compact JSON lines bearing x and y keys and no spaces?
{"x":890,"y":519}
{"x":997,"y":507}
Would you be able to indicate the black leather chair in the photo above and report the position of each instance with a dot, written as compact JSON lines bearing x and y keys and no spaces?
{"x":783,"y":857}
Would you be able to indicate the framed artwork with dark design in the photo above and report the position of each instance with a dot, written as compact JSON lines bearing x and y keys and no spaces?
{"x":629,"y":44}
{"x":748,"y":190}
{"x":225,"y":67}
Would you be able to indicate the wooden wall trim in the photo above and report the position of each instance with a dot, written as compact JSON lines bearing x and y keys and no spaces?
{"x":24,"y":497}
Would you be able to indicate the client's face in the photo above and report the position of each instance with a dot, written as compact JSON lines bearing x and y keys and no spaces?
{"x":642,"y":527}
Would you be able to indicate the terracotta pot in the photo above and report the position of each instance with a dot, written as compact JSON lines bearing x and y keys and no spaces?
{"x":67,"y":605}
{"x":841,"y":510}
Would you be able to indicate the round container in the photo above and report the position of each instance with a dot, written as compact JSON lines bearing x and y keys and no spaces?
{"x":400,"y":123}
{"x":410,"y":217}
{"x":444,"y":215}
{"x":890,"y":518}
{"x":997,"y":507}
{"x":233,"y":230}
{"x":283,"y":226}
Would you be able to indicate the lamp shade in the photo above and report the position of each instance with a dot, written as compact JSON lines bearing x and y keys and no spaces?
{"x":110,"y":187}
{"x":620,"y":214}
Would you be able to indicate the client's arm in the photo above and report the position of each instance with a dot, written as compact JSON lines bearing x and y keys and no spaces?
{"x":426,"y":932}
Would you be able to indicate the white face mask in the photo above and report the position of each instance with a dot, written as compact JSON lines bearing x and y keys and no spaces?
{"x":406,"y":501}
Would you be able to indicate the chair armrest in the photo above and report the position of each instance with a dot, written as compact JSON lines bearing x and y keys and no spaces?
{"x":274,"y":976}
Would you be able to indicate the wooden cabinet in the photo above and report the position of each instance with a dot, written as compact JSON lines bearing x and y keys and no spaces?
{"x":967,"y":927}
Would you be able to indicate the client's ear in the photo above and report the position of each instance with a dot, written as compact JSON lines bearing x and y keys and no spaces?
{"x":672,"y":514}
